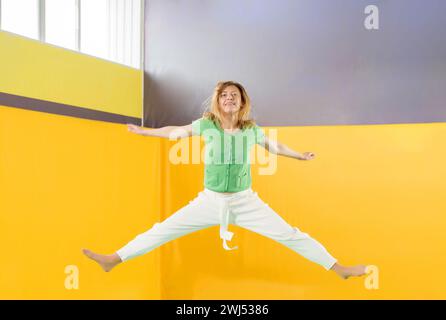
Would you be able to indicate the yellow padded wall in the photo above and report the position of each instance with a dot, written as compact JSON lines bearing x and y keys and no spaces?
{"x":37,"y":70}
{"x":374,"y":194}
{"x":66,"y":184}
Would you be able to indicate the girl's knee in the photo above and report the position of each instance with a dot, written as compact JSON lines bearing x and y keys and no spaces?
{"x":154,"y":228}
{"x":296,"y":234}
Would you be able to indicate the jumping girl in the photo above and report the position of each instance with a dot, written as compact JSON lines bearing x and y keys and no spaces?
{"x":227,"y":197}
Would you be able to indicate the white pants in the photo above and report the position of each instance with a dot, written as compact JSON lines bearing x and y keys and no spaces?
{"x":244,"y":209}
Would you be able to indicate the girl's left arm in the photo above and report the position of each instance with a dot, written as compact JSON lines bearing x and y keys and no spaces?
{"x":281,"y":149}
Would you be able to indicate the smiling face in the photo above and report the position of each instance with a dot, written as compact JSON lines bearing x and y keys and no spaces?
{"x":230,"y":100}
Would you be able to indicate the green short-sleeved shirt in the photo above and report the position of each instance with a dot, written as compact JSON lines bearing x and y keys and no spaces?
{"x":227,"y":163}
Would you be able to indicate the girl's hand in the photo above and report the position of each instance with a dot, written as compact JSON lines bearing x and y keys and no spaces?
{"x":308,"y":156}
{"x":135,"y":129}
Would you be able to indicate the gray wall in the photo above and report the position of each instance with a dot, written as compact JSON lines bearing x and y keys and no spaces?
{"x":303,"y":62}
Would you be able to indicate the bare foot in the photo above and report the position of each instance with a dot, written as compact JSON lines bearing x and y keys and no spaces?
{"x":107,"y":262}
{"x":346,"y":272}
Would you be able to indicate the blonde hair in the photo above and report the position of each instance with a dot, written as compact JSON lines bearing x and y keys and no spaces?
{"x":244,"y":121}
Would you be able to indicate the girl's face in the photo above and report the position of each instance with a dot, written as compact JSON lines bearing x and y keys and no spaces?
{"x":230,"y":100}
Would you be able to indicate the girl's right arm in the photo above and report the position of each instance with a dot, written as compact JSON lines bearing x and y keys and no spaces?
{"x":172,"y":132}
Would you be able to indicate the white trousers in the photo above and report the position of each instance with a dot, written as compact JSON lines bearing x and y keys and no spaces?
{"x":244,"y":209}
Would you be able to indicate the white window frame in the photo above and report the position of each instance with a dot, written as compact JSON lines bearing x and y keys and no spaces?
{"x":41,"y":20}
{"x":78,"y":25}
{"x":41,"y":32}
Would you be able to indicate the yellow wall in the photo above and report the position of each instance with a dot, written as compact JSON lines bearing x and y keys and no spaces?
{"x":68,"y":183}
{"x":374,"y":194}
{"x":33,"y":69}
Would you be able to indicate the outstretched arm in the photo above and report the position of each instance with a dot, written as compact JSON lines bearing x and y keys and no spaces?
{"x":172,"y":132}
{"x":281,"y":149}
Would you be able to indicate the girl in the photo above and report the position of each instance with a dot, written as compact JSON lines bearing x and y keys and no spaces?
{"x":229,"y":133}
